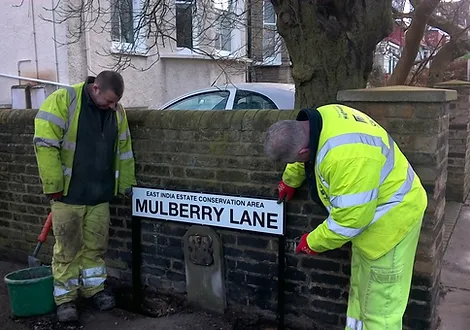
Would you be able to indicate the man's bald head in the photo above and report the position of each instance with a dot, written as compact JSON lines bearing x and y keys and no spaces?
{"x":285,"y":140}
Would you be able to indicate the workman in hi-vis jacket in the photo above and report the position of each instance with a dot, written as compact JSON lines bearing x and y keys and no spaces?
{"x":373,"y":197}
{"x":84,"y":154}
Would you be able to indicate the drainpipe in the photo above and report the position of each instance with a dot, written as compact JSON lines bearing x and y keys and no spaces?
{"x":468,"y":70}
{"x":55,"y":43}
{"x":249,"y":37}
{"x":35,"y":39}
{"x":87,"y":53}
{"x":86,"y":35}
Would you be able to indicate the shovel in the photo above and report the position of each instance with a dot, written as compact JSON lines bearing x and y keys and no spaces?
{"x":32,"y":260}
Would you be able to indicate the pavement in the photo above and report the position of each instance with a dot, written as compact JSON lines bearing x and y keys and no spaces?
{"x":185,"y":318}
{"x":454,"y":307}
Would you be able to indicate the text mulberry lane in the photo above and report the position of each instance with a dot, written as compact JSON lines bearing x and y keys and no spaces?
{"x":222,"y":216}
{"x":187,"y":211}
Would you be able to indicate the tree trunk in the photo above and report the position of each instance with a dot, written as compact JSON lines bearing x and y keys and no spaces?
{"x":331,"y":44}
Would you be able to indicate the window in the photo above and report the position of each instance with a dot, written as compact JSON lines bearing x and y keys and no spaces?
{"x":126,"y":33}
{"x":224,"y":26}
{"x":426,"y":54}
{"x":204,"y":101}
{"x":390,"y":62}
{"x":391,"y":55}
{"x":214,"y":28}
{"x":223,"y":39}
{"x":271,"y":39}
{"x":122,"y":25}
{"x":252,"y":100}
{"x":184,"y":23}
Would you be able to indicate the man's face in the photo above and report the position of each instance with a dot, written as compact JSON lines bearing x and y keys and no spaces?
{"x":104,"y":99}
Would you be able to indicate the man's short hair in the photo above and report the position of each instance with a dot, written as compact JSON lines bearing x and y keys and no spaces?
{"x":111,"y":80}
{"x":284,"y":140}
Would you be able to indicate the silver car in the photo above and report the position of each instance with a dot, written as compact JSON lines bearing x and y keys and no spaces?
{"x":236,"y":97}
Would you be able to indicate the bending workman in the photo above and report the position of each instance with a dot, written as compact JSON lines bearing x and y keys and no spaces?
{"x":374,"y":199}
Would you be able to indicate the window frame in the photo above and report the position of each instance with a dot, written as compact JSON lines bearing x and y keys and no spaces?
{"x":139,"y":46}
{"x":276,"y":57}
{"x":236,"y":34}
{"x":253,"y":93}
{"x":194,"y":22}
{"x":202,"y":94}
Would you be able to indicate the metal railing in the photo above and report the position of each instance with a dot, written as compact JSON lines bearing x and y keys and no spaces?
{"x":28,"y":102}
{"x":42,"y":81}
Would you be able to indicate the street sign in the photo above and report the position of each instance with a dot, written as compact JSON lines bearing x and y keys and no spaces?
{"x":243,"y":213}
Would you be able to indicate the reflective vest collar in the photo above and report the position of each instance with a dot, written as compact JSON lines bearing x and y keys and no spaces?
{"x":316,"y":124}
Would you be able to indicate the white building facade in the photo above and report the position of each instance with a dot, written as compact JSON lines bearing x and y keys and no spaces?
{"x":200,"y":44}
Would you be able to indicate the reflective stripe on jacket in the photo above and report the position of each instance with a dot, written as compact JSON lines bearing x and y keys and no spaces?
{"x":372,"y":193}
{"x":55,"y":135}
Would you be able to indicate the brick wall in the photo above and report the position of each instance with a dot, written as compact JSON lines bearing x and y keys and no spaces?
{"x":218,"y":152}
{"x":23,"y":209}
{"x":201,"y":151}
{"x":458,"y":176}
{"x":418,"y":120}
{"x":276,"y":73}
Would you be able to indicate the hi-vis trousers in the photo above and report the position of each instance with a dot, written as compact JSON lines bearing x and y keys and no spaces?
{"x":81,"y":240}
{"x":380,"y":288}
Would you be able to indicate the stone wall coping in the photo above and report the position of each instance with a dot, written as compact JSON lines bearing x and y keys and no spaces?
{"x":250,"y":120}
{"x":454,"y":83}
{"x":397,"y":93}
{"x":22,"y":116}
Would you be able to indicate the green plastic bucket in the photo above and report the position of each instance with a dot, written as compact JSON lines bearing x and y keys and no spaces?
{"x":31,"y":291}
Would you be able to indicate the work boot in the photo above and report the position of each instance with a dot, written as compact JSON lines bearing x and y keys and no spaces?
{"x":67,"y":312}
{"x":104,"y":300}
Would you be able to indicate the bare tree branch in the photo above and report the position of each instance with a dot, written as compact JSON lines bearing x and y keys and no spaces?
{"x":447,"y":21}
{"x":151,"y":28}
{"x":398,"y":15}
{"x":19,"y":5}
{"x":413,"y":38}
{"x":449,"y":52}
{"x":448,"y":18}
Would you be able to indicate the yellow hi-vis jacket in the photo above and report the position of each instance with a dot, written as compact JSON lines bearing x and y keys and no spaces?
{"x":55,"y":136}
{"x":370,"y":190}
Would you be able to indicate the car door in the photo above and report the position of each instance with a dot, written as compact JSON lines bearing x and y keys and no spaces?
{"x":252,"y":100}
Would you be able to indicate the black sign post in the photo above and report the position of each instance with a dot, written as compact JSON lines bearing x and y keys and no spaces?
{"x":280,"y":282}
{"x":136,"y":264}
{"x":197,"y":208}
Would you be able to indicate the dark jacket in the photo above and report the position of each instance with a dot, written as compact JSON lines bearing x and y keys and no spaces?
{"x":93,"y":181}
{"x":315,"y":120}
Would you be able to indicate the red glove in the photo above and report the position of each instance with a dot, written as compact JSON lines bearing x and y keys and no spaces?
{"x":55,"y":196}
{"x":303,"y":246}
{"x":285,"y":192}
